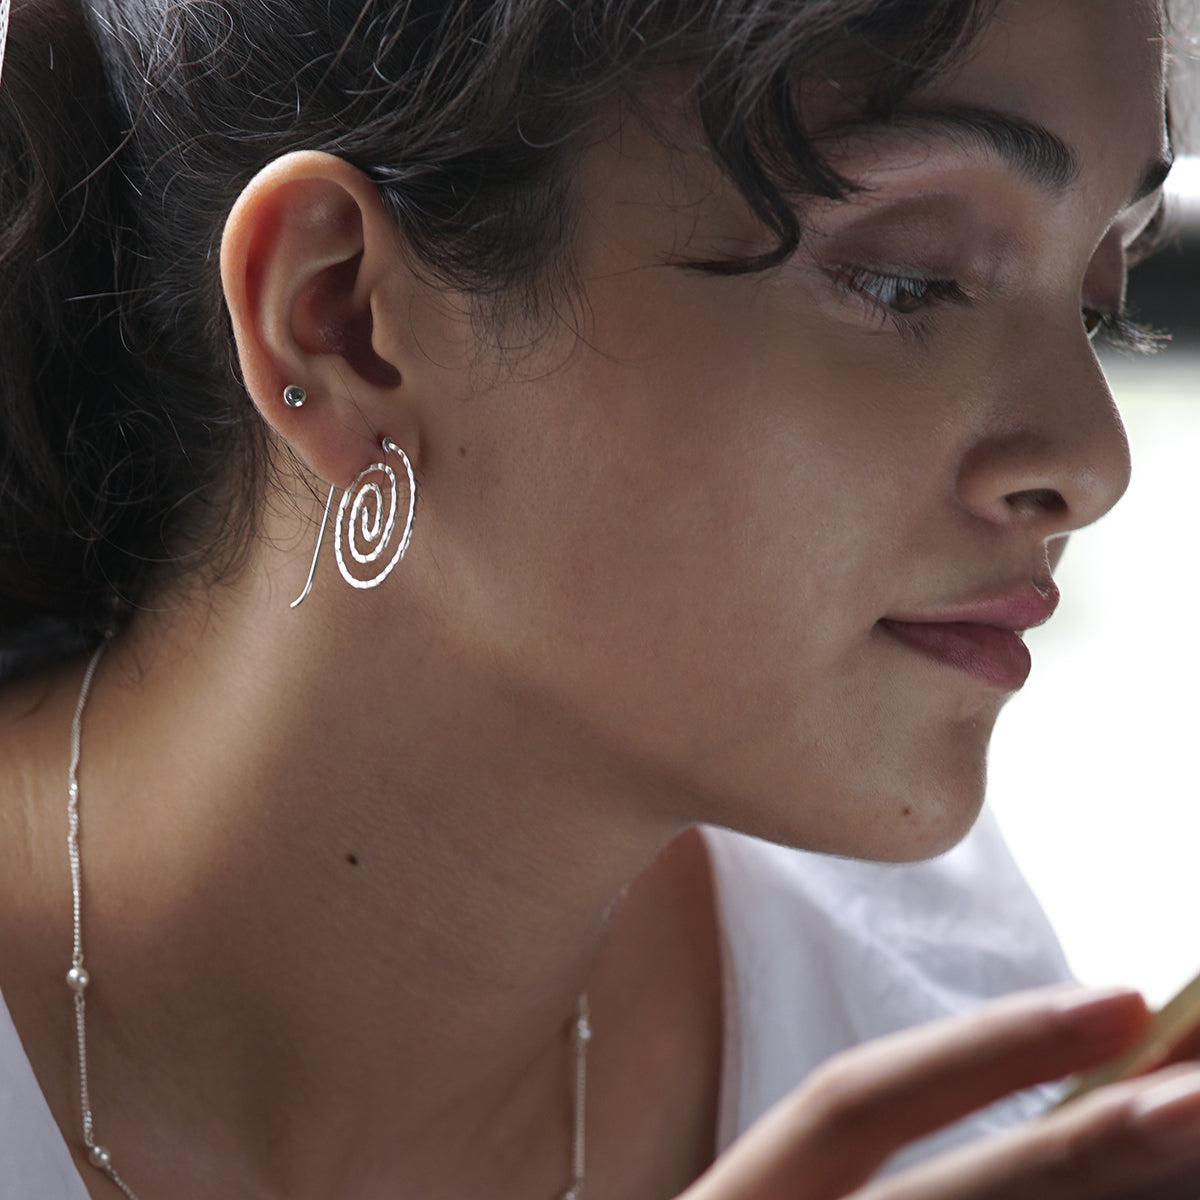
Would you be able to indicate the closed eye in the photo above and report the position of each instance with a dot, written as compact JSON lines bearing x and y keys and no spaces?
{"x":897,"y":297}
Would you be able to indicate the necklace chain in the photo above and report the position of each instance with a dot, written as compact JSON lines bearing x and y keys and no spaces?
{"x":78,"y":980}
{"x":78,"y":977}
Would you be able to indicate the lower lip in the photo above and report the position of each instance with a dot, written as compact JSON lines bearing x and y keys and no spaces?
{"x":994,"y":656}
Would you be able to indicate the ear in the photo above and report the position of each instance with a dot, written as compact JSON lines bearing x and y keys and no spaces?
{"x":308,"y":256}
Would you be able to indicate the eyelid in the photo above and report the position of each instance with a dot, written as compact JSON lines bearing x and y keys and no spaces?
{"x":870,"y":286}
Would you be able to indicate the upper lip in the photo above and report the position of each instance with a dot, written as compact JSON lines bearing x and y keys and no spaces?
{"x":1017,"y":608}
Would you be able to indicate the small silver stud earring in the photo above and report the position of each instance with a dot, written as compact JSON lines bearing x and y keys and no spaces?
{"x":294,"y":395}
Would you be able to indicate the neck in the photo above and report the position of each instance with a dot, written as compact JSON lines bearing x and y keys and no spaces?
{"x":369,"y":918}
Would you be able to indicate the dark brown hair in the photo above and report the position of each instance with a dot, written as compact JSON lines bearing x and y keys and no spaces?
{"x":128,"y":129}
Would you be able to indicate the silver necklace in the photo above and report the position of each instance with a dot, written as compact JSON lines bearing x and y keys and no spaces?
{"x":78,"y":980}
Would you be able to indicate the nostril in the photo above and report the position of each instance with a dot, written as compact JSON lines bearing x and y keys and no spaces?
{"x":1037,"y":500}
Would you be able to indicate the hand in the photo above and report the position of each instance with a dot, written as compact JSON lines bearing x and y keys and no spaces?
{"x":825,"y":1140}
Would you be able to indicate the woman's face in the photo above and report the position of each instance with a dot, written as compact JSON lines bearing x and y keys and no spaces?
{"x":766,"y":538}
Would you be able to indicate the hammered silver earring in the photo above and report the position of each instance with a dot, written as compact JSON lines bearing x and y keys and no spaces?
{"x":362,"y":539}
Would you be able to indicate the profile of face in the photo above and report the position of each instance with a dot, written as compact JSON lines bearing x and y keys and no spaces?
{"x":762,"y":541}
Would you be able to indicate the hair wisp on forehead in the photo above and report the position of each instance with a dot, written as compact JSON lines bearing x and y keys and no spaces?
{"x":129,"y":130}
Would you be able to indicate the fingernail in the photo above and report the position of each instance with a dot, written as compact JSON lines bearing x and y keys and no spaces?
{"x":1170,"y":1112}
{"x":1100,"y":1013}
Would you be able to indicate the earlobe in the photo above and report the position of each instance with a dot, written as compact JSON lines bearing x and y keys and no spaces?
{"x":306,"y":251}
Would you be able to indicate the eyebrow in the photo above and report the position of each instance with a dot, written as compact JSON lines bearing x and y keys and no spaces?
{"x":1026,"y":147}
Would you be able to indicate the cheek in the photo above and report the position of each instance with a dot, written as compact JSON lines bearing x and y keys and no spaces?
{"x":696,"y":548}
{"x":723,"y":505}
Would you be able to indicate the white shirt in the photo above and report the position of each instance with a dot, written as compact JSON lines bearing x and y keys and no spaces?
{"x":819,"y":953}
{"x":822,"y":953}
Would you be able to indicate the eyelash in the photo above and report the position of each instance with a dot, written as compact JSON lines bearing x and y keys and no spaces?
{"x":1121,"y":333}
{"x":900,"y":300}
{"x":883,"y":293}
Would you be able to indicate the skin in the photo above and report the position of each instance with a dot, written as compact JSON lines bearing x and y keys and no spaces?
{"x":652,"y":551}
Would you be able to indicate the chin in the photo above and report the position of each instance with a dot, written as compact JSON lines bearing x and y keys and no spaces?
{"x":928,"y":828}
{"x":912,"y":804}
{"x":878,"y":824}
{"x":932,"y":801}
{"x":902,"y":790}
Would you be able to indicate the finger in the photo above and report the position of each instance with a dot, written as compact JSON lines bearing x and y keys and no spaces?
{"x":831,"y":1134}
{"x":1133,"y":1141}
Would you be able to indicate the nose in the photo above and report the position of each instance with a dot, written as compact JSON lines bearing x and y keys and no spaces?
{"x":1051,"y":454}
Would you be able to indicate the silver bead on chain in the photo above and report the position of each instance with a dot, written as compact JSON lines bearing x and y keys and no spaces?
{"x":78,"y":980}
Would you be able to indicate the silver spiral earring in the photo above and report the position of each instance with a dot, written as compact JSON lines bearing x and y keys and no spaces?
{"x":366,"y":536}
